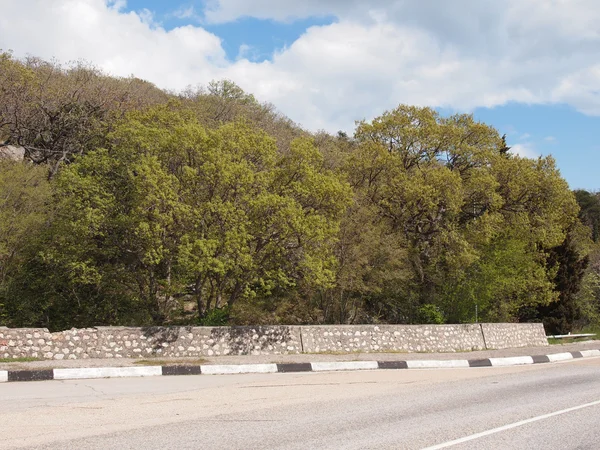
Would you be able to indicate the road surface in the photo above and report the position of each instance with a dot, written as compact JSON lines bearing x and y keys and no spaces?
{"x":543,"y":406}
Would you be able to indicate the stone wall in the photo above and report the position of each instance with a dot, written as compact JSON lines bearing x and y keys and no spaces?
{"x":124,"y":342}
{"x":395,"y":338}
{"x":508,"y":335}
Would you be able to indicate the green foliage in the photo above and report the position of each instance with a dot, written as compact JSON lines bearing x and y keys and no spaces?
{"x":24,"y":212}
{"x":559,"y":317}
{"x":475,"y":223}
{"x":210,"y":207}
{"x":584,"y":311}
{"x":171,"y":213}
{"x":3,"y":315}
{"x":217,"y":317}
{"x":589,"y":211}
{"x":430,"y":314}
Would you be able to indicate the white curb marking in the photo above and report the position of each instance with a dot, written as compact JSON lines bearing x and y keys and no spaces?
{"x":347,"y":365}
{"x":510,"y":426}
{"x":560,"y":357}
{"x":107,"y":372}
{"x":511,"y":361}
{"x":433,"y":364}
{"x":221,"y":369}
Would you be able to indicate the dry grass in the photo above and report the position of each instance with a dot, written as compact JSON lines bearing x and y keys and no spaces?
{"x":17,"y":360}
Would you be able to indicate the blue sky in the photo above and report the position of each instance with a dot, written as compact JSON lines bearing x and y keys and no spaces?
{"x":558,"y":130}
{"x":530,"y":68}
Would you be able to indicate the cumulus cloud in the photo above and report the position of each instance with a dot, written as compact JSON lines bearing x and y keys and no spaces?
{"x":525,"y":150}
{"x":186,"y":12}
{"x":459,"y":55}
{"x":119,"y":42}
{"x":283,"y":10}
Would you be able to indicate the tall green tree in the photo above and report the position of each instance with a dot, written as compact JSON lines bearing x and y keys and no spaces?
{"x":172,"y":213}
{"x":24,"y":214}
{"x":559,"y":317}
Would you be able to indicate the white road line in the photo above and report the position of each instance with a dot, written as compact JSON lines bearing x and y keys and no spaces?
{"x":345,"y":365}
{"x":223,"y":369}
{"x":107,"y":372}
{"x":510,"y":426}
{"x":589,"y":353}
{"x":511,"y":361}
{"x":560,"y":357}
{"x":431,"y":364}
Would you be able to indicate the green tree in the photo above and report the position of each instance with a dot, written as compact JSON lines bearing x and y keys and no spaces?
{"x":431,"y":181}
{"x":171,"y":212}
{"x":24,"y":212}
{"x":589,"y":211}
{"x":559,"y":317}
{"x":59,"y":112}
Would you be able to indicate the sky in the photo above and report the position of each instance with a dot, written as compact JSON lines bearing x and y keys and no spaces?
{"x":530,"y":68}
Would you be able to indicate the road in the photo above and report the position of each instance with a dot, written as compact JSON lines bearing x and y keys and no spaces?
{"x":544,"y":406}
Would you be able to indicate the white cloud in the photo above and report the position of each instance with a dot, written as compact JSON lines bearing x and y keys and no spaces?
{"x":117,"y":5}
{"x":186,"y":12}
{"x":460,"y":54}
{"x":525,"y":150}
{"x":119,"y":42}
{"x":281,"y":10}
{"x":550,"y":139}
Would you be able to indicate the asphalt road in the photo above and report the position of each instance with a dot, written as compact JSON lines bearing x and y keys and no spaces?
{"x":551,"y":406}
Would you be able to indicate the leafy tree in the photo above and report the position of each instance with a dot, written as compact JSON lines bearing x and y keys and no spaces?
{"x":171,"y":212}
{"x":57,"y":112}
{"x":222,"y":101}
{"x":208,"y":206}
{"x":589,"y":211}
{"x":559,"y":316}
{"x":24,"y":212}
{"x":431,"y":181}
{"x":508,"y":277}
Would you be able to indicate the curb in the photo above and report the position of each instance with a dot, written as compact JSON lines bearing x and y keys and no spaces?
{"x":219,"y":369}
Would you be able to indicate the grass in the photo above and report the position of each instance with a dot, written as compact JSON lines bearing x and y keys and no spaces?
{"x":17,"y":360}
{"x":553,"y":341}
{"x":595,"y":329}
{"x":169,"y":362}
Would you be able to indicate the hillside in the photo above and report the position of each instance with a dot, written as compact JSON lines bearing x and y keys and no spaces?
{"x":130,"y":205}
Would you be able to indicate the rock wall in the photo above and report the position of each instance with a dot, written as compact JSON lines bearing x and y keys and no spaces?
{"x":124,"y":342}
{"x":509,"y":335}
{"x":395,"y":338}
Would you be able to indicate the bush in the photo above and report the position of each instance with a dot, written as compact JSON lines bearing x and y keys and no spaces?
{"x":216,"y":317}
{"x":430,"y":314}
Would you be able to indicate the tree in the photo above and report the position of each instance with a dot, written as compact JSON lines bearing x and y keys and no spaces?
{"x":469,"y":216}
{"x":569,"y":265}
{"x":171,"y":212}
{"x":589,"y":211}
{"x":431,"y":181}
{"x":222,"y":101}
{"x":57,"y":112}
{"x":24,"y":212}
